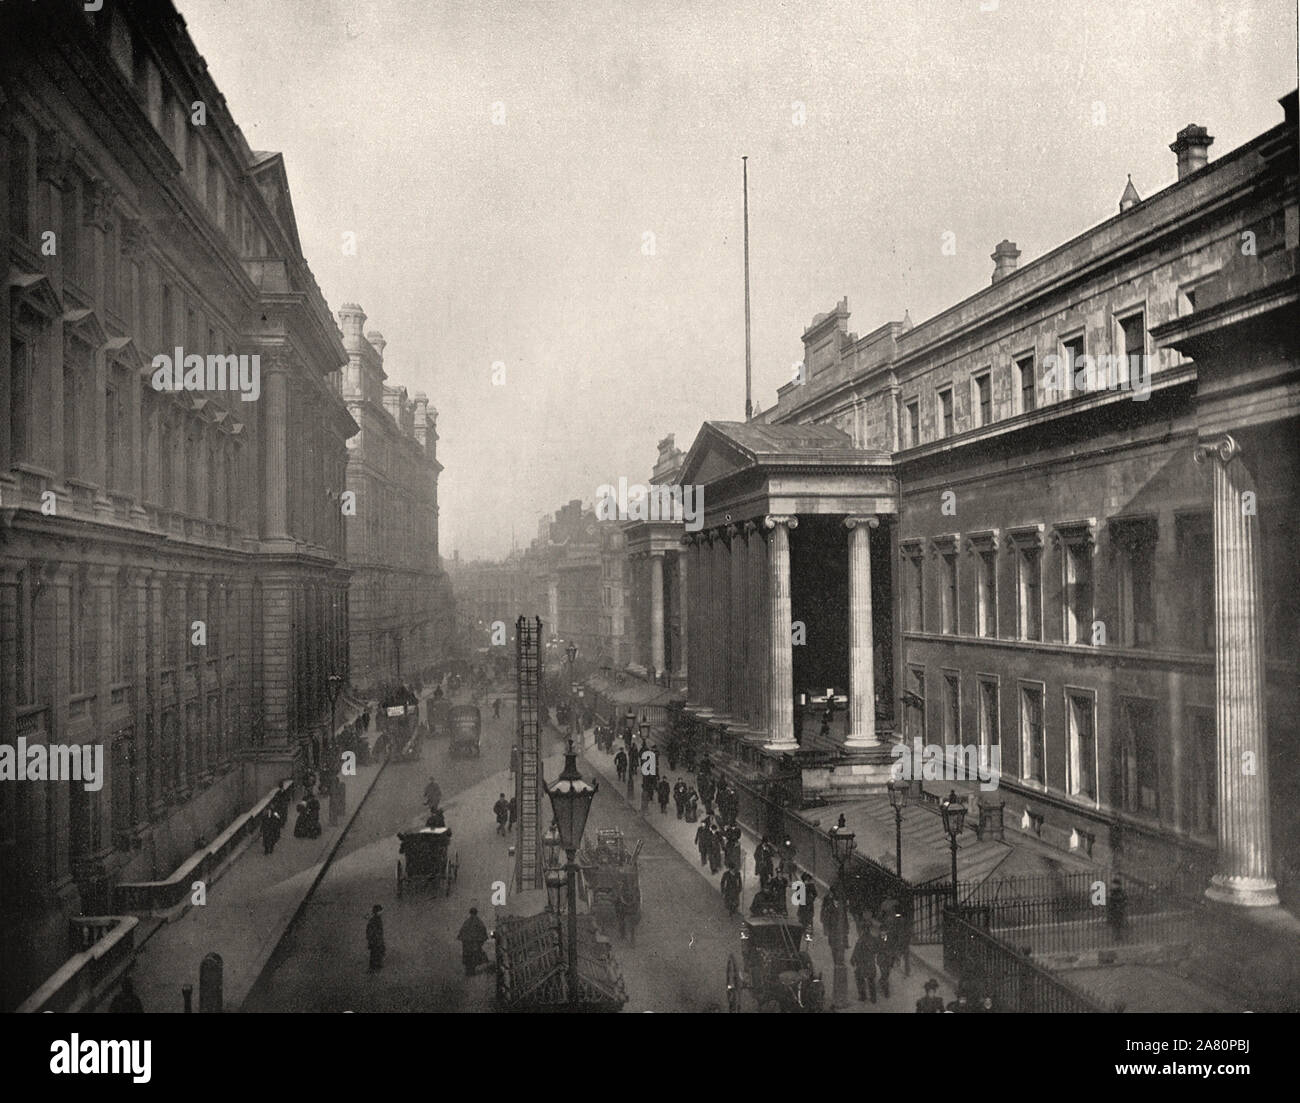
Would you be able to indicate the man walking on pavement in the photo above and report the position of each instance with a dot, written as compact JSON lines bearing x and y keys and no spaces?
{"x":731,"y":889}
{"x":471,"y":937}
{"x":865,"y":952}
{"x":502,"y":812}
{"x":664,"y":792}
{"x":702,"y":842}
{"x":270,"y":830}
{"x":806,"y":909}
{"x":620,"y":763}
{"x":679,"y":797}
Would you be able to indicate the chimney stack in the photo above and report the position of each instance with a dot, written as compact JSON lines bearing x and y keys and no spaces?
{"x":421,"y":403}
{"x":1004,"y":257}
{"x":377,"y":340}
{"x":351,"y":319}
{"x":1193,"y":149}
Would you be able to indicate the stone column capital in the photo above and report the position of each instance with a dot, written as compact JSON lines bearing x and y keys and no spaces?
{"x":751,"y":527}
{"x":1224,"y":448}
{"x":870,"y":520}
{"x":773,"y":519}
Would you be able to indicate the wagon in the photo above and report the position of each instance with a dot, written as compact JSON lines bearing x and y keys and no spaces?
{"x":611,"y":882}
{"x":775,"y":972}
{"x":426,"y":855}
{"x":439,"y":712}
{"x":466,"y":724}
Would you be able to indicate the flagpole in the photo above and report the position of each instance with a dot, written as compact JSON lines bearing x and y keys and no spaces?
{"x":749,"y":405}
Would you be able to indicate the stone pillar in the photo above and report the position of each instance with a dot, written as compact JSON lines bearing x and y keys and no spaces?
{"x":717,"y":624}
{"x":656,"y":613}
{"x":759,"y":616}
{"x":275,"y":454}
{"x":685,"y":577}
{"x":738,"y":644}
{"x":1245,"y":848}
{"x":780,"y":657}
{"x":862,"y":681}
{"x":155,"y":629}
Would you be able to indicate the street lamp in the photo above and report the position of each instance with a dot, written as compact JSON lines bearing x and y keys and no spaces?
{"x":898,"y":798}
{"x":571,"y":797}
{"x":843,"y":844}
{"x":953,"y":811}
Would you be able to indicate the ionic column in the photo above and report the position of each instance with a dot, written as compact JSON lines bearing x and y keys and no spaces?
{"x":862,"y":691}
{"x":656,"y":613}
{"x":685,"y":578}
{"x":1245,"y":848}
{"x":780,"y":657}
{"x":738,"y":651}
{"x":757,"y":664}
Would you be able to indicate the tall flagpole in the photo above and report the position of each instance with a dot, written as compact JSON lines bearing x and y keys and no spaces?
{"x":749,"y":405}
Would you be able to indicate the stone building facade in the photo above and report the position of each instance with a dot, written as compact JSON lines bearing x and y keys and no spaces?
{"x":1058,"y":518}
{"x":172,"y":585}
{"x":401,"y":621}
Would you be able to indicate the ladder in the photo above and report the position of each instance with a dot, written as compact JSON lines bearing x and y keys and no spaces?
{"x":528,"y":783}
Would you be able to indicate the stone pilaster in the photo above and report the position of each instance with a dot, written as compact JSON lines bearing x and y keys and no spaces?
{"x":1244,"y":874}
{"x":780,"y":656}
{"x":759,"y":618}
{"x":685,"y":577}
{"x":275,"y":448}
{"x":656,"y":613}
{"x":739,"y":642}
{"x":862,"y":691}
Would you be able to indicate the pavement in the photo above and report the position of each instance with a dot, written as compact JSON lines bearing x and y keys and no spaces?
{"x":680,"y":835}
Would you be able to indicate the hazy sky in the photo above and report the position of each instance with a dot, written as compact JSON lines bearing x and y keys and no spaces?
{"x":525,"y":243}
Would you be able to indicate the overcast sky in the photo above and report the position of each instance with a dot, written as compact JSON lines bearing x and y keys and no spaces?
{"x":526,"y":243}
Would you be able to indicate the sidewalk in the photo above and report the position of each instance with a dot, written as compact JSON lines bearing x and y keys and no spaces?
{"x":679,"y":834}
{"x":247,"y":912}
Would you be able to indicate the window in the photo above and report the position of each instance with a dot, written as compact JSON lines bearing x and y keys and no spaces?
{"x":945,"y":412}
{"x":1135,"y":545}
{"x":915,"y":701}
{"x":1078,"y":591}
{"x":983,"y":397}
{"x":72,"y":259}
{"x":1194,"y":537}
{"x":1201,"y":809}
{"x":1139,"y":792}
{"x":949,"y":596}
{"x":990,"y":718}
{"x":1081,"y":713}
{"x":1133,"y":333}
{"x":72,"y":410}
{"x":125,"y":782}
{"x":1030,"y":592}
{"x":913,"y":423}
{"x":112,"y":415}
{"x":79,"y":633}
{"x":987,"y":592}
{"x":20,"y":399}
{"x":1032,"y":752}
{"x":117,"y":626}
{"x":1025,"y":378}
{"x":25,"y":645}
{"x":20,"y":155}
{"x":1069,"y":374}
{"x":914,"y":583}
{"x":951,"y":709}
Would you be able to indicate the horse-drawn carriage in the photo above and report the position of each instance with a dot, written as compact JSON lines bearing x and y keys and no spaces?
{"x":466,"y":725}
{"x":439,"y":716}
{"x":612,"y":884}
{"x":399,"y":710}
{"x":426,"y":855}
{"x":775,"y":971}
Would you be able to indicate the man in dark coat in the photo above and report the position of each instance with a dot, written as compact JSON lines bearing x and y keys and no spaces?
{"x":764,"y":860}
{"x":731,"y":889}
{"x":702,"y":843}
{"x":307,"y":825}
{"x":806,"y":909}
{"x":931,"y":1003}
{"x":664,"y":792}
{"x":835,"y":924}
{"x":620,"y":763}
{"x":471,"y":937}
{"x":778,"y":888}
{"x":692,"y":806}
{"x":865,"y":951}
{"x":731,"y":852}
{"x":502,"y":812}
{"x":679,"y":797}
{"x":648,"y":791}
{"x":715,"y":849}
{"x":513,"y":813}
{"x":707,"y":790}
{"x":375,"y":938}
{"x":270,"y":829}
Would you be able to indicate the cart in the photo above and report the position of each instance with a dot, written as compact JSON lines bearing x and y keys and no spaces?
{"x":774,"y":972}
{"x":398,"y":720}
{"x":612,"y":883}
{"x":426,"y":855}
{"x":439,"y":711}
{"x":466,"y":724}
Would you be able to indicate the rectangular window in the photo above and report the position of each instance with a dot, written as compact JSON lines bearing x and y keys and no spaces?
{"x":945,"y":413}
{"x":951,"y":710}
{"x":1030,"y":592}
{"x":1081,"y":710}
{"x":1032,"y":750}
{"x":914,"y":578}
{"x":1201,"y":809}
{"x":112,"y":416}
{"x":1194,"y":537}
{"x":916,"y":705}
{"x":1139,"y":791}
{"x":25,"y":646}
{"x":1135,"y":544}
{"x":78,"y":633}
{"x":949,"y":608}
{"x":20,"y":155}
{"x":987,"y":593}
{"x":983,"y":397}
{"x":1072,"y":368}
{"x":1133,"y":332}
{"x":71,"y":413}
{"x":1078,"y":592}
{"x":913,"y":423}
{"x":990,"y":717}
{"x":20,"y":398}
{"x":73,"y":261}
{"x":1025,"y":378}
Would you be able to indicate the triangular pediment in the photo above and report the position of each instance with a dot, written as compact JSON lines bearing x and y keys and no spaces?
{"x":34,"y":291}
{"x":723,"y":448}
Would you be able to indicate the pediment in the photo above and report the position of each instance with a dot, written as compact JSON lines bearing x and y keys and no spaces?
{"x":34,"y":291}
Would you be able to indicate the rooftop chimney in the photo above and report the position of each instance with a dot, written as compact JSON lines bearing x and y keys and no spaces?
{"x":1004,"y":257}
{"x":351,"y":319}
{"x":377,"y":340}
{"x":1193,"y":149}
{"x":421,"y":404}
{"x":1130,"y":198}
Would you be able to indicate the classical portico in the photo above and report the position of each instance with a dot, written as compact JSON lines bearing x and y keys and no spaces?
{"x":793,"y":538}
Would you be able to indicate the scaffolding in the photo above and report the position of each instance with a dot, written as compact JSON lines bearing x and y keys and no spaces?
{"x":528,"y":781}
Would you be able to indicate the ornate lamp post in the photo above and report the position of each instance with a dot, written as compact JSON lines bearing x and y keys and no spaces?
{"x":953,"y":811}
{"x":843,"y":844}
{"x":571,"y":798}
{"x":898,"y":798}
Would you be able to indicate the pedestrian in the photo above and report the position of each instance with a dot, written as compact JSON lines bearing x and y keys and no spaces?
{"x":375,"y":938}
{"x":715,"y":849}
{"x":513,"y":813}
{"x":702,"y":843}
{"x":778,"y":889}
{"x":835,"y":925}
{"x":672,"y":755}
{"x":731,"y":852}
{"x":807,"y":908}
{"x":126,"y":1002}
{"x":886,"y":955}
{"x":707,"y":790}
{"x":899,"y":931}
{"x":731,"y":889}
{"x":496,"y":709}
{"x":620,"y":763}
{"x":648,"y":791}
{"x":631,"y":779}
{"x":307,"y":825}
{"x":863,"y":961}
{"x":664,"y":791}
{"x":338,"y":799}
{"x":931,"y":1003}
{"x":270,"y":830}
{"x":692,"y":806}
{"x":471,"y":937}
{"x":764,"y":860}
{"x":679,"y":797}
{"x":502,"y":812}
{"x":788,"y":859}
